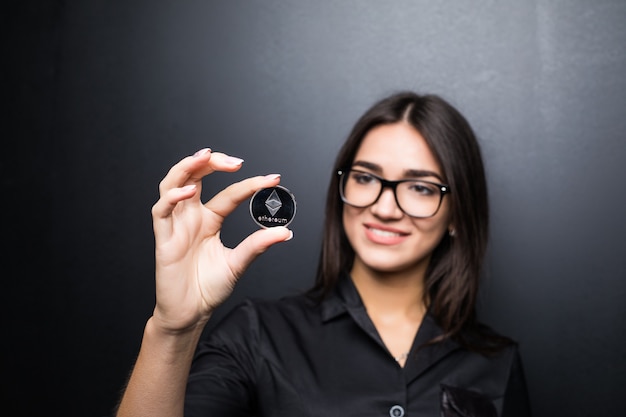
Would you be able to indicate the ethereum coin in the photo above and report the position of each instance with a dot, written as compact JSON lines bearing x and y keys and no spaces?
{"x":275,"y":206}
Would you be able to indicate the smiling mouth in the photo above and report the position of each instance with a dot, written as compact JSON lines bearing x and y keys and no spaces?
{"x":385,"y":233}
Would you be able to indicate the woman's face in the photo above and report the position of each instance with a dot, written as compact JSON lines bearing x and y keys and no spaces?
{"x":384,"y":238}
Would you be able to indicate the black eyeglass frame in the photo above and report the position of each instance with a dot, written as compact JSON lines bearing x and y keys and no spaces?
{"x":443,"y":190}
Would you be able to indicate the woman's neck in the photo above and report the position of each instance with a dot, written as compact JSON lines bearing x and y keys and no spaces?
{"x":395,"y":304}
{"x":390,"y":294}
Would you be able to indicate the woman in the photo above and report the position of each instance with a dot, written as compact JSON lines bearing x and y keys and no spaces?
{"x":389,"y":327}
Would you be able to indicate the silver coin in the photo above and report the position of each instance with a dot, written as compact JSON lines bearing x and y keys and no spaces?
{"x":274,"y":206}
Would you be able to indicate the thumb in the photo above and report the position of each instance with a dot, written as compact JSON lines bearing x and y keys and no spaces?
{"x":254,"y":245}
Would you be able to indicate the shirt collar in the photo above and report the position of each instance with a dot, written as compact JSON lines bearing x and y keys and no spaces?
{"x":346,"y":299}
{"x":345,"y":296}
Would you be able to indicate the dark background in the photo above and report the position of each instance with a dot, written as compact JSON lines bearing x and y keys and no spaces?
{"x":102,"y":97}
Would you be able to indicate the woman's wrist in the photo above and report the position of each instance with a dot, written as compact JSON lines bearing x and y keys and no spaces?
{"x":179,"y":340}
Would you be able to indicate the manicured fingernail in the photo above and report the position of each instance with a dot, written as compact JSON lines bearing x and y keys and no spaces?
{"x":201,"y":152}
{"x":231,"y":160}
{"x":290,"y":236}
{"x":272,"y":176}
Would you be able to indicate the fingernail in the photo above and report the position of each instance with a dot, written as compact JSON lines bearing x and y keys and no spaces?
{"x":290,"y":236}
{"x":231,"y":160}
{"x":272,"y":176}
{"x":201,"y":152}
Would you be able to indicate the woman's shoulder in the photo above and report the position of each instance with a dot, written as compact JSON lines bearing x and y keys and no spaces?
{"x":255,"y":322}
{"x":484,"y":340}
{"x":253,"y":310}
{"x":290,"y":308}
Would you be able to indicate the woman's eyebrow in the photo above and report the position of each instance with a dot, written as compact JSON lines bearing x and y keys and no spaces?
{"x":369,"y":165}
{"x":410,"y":173}
{"x":419,"y":173}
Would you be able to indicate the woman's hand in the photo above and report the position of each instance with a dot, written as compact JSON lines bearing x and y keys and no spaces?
{"x":195,"y":272}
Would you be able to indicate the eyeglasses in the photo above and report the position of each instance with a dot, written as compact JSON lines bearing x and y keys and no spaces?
{"x":416,"y":198}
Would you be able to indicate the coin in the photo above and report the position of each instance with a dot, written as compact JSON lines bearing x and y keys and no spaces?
{"x":274,"y":206}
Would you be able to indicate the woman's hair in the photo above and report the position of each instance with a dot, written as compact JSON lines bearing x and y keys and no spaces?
{"x":452,"y":277}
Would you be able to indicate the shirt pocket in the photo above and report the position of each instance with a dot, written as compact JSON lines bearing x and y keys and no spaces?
{"x":460,"y":402}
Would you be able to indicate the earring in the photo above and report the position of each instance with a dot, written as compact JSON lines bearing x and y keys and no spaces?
{"x":452,"y":232}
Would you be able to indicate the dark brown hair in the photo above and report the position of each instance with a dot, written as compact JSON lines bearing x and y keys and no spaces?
{"x":452,"y":278}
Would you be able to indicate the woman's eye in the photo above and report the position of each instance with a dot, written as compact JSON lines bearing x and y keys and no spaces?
{"x":361,"y":178}
{"x":423,"y":188}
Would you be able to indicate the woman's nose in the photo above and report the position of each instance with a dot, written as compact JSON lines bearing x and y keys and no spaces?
{"x":386,"y":206}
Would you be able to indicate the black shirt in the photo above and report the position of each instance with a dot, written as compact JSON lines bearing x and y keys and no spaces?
{"x":298,"y":357}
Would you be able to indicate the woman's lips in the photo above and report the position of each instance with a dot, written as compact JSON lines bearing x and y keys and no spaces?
{"x":384,"y":235}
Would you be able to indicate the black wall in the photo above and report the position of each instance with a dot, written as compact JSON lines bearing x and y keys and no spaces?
{"x":102,"y":97}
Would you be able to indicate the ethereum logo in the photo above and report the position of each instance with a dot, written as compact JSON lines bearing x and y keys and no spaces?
{"x":273,"y":203}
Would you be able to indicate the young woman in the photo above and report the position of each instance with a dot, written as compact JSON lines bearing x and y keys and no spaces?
{"x":388,"y":329}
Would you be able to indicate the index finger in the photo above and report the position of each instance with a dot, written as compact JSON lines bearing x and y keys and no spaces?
{"x":192,"y":169}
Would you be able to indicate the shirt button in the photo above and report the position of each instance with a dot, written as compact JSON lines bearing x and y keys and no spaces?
{"x":396,"y":411}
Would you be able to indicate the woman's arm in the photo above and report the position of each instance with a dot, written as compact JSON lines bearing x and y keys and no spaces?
{"x":195,"y":273}
{"x":157,"y":383}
